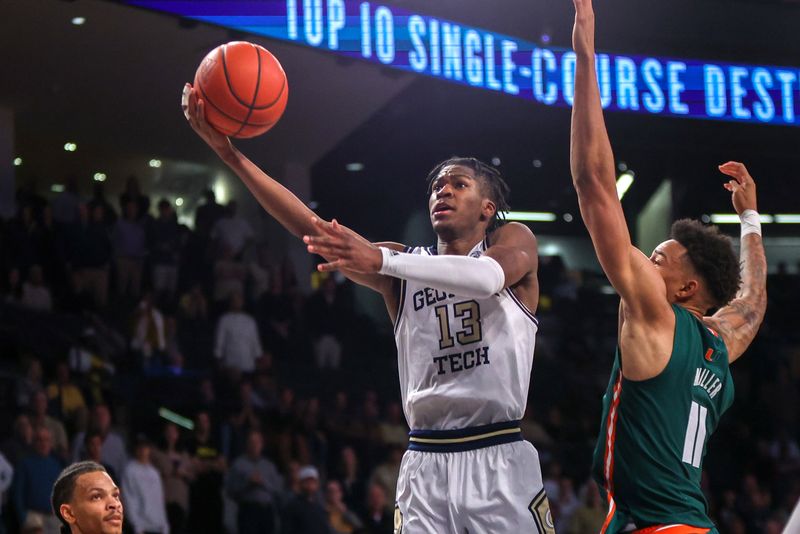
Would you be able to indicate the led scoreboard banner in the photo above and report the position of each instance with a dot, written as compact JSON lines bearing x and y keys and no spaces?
{"x":443,"y":49}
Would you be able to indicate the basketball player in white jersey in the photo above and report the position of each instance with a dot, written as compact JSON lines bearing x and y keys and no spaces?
{"x":465,"y":333}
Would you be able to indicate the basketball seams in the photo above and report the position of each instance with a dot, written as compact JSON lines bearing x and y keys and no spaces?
{"x":205,"y":97}
{"x":255,"y":92}
{"x":228,"y":78}
{"x":283,"y":82}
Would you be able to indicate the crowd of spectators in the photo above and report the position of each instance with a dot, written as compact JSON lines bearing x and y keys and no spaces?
{"x":221,"y":398}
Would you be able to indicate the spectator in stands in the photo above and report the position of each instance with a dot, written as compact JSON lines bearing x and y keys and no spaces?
{"x":47,"y":251}
{"x":20,"y":443}
{"x":237,"y":344}
{"x":143,"y":492}
{"x":12,"y":290}
{"x":341,"y":519}
{"x":88,"y":255}
{"x":66,"y":204}
{"x":175,"y":466}
{"x":31,"y":382}
{"x":351,"y":480}
{"x":229,"y":277}
{"x":393,"y":428}
{"x":93,"y":370}
{"x":148,"y":339}
{"x":165,"y":247}
{"x":379,"y":519}
{"x":113,"y":451}
{"x":93,"y":451}
{"x":67,"y":399}
{"x":134,"y":194}
{"x":260,"y":273}
{"x":130,"y":249}
{"x":232,"y":231}
{"x":194,"y":330}
{"x":207,"y":214}
{"x":590,"y":514}
{"x":256,"y":487}
{"x":19,"y":239}
{"x":567,"y":503}
{"x":386,"y":473}
{"x":34,"y":476}
{"x":6,"y":476}
{"x":35,"y":294}
{"x":99,"y":200}
{"x":326,"y":316}
{"x":39,"y":418}
{"x":208,"y":465}
{"x":304,"y":513}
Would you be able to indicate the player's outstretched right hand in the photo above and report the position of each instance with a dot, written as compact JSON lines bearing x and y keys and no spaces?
{"x":194,"y":111}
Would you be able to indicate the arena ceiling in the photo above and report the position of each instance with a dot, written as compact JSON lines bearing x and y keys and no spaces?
{"x":112,"y":86}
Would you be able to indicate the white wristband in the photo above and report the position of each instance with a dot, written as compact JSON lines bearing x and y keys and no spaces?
{"x":461,"y":275}
{"x":751,"y":222}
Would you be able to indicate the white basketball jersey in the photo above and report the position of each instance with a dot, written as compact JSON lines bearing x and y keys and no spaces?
{"x":463,"y":362}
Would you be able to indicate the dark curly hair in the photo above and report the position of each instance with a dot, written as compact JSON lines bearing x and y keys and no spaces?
{"x":712,"y":256}
{"x":64,"y":487}
{"x":494,"y":186}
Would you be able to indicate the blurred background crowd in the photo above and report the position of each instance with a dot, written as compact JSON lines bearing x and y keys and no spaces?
{"x":221,"y":398}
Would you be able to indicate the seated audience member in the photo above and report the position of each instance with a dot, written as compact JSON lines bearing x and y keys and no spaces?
{"x":113,"y":451}
{"x":341,"y":519}
{"x":256,"y":487}
{"x":35,"y":294}
{"x":237,"y":344}
{"x":175,"y":466}
{"x":39,"y":417}
{"x":304,"y":513}
{"x":34,"y":476}
{"x":143,"y":492}
{"x":378,"y":517}
{"x":67,"y":399}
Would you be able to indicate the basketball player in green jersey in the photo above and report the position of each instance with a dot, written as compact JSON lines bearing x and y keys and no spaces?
{"x":670,"y":382}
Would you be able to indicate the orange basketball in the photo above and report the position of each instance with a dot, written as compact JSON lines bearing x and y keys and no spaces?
{"x":244,"y":89}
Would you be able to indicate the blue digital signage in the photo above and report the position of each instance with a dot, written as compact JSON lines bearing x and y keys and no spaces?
{"x":480,"y":58}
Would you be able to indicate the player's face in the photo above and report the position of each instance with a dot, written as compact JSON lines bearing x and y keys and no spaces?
{"x":668,"y":258}
{"x":95,"y":507}
{"x":457,"y":203}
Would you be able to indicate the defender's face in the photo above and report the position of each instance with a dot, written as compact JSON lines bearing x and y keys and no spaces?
{"x":96,"y":507}
{"x":457,"y":201}
{"x":668,"y":260}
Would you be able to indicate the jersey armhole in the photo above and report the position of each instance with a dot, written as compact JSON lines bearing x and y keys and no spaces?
{"x":400,"y":289}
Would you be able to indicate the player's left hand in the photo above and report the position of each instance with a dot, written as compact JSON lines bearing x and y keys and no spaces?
{"x":351,"y":251}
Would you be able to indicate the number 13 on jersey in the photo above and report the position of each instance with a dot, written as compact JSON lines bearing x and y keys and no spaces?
{"x":468,"y":319}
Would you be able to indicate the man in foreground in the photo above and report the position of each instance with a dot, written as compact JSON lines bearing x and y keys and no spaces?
{"x":87,"y":501}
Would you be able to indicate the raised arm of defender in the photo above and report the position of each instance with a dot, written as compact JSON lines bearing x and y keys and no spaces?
{"x":738,"y":322}
{"x":593,"y":173}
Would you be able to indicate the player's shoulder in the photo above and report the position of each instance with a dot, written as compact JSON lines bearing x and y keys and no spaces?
{"x":513,"y":232}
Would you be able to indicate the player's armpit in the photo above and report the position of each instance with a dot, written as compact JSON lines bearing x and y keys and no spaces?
{"x":739,"y":321}
{"x":514,"y":247}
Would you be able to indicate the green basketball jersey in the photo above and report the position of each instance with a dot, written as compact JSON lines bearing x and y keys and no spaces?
{"x":654,"y":432}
